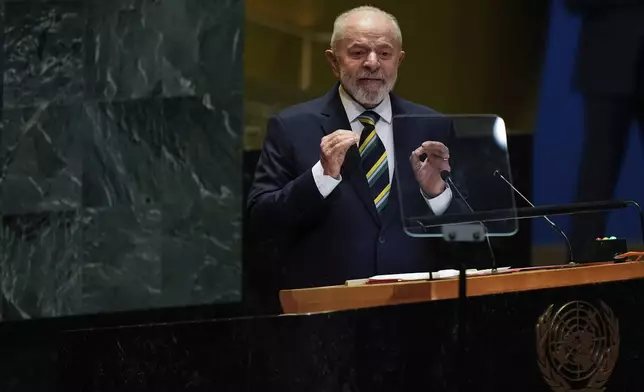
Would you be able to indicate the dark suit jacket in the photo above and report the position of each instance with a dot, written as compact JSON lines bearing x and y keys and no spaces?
{"x":303,"y":240}
{"x":610,"y":56}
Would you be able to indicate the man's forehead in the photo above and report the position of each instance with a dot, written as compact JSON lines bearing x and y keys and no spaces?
{"x":368,"y":21}
{"x":366,"y":31}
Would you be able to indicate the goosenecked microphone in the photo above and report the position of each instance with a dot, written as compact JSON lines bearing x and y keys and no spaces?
{"x":447,"y":177}
{"x":571,"y":259}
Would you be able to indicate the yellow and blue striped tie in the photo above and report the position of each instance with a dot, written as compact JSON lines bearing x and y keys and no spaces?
{"x":374,"y":160}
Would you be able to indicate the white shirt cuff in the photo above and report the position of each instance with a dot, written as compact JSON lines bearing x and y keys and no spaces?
{"x":439,"y":203}
{"x":326,"y":184}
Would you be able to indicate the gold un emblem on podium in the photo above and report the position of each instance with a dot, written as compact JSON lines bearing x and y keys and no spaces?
{"x":577,"y":346}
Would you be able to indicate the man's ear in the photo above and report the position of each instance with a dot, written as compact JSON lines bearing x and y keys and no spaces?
{"x":333,"y":61}
{"x":401,"y":56}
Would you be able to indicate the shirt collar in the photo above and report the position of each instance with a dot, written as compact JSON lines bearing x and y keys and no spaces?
{"x":354,"y":109}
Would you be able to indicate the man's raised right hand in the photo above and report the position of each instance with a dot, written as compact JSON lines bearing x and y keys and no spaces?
{"x":333,"y":149}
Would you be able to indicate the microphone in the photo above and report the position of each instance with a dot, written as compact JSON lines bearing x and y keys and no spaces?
{"x":571,"y":259}
{"x":447,"y":177}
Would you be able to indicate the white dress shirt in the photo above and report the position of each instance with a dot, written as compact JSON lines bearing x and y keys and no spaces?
{"x":326,"y":184}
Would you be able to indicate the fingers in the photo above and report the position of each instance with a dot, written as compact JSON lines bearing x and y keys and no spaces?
{"x":338,"y":142}
{"x":436,"y":149}
{"x":331,"y":143}
{"x":415,"y":157}
{"x":433,"y":154}
{"x":344,"y":145}
{"x":439,"y":163}
{"x":432,"y":150}
{"x":342,"y":134}
{"x":338,"y":137}
{"x":418,"y":152}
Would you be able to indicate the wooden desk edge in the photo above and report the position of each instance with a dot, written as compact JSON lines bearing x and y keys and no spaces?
{"x":335,"y":298}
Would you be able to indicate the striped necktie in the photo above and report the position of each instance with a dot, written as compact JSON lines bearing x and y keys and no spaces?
{"x":374,"y":160}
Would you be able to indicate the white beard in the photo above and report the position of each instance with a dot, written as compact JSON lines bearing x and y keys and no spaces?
{"x":363,"y":96}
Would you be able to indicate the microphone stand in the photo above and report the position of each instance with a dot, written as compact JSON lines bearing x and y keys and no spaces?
{"x":571,"y":258}
{"x":445,"y":175}
{"x":463,"y":234}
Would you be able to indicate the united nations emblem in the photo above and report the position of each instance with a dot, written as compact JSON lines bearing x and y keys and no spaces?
{"x":577,"y":346}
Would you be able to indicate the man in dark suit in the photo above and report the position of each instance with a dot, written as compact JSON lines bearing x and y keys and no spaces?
{"x":610,"y":74}
{"x":324,"y":202}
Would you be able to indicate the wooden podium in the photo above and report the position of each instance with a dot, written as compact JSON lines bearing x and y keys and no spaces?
{"x":560,"y":328}
{"x":334,"y":298}
{"x":566,"y":329}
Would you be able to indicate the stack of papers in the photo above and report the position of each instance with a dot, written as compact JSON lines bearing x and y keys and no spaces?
{"x":419,"y":276}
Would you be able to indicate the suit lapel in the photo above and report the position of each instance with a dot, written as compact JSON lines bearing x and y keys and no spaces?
{"x":335,"y":118}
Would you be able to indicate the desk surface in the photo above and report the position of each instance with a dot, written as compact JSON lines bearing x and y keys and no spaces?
{"x":333,"y":298}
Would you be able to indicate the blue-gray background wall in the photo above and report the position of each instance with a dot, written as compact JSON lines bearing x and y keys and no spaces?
{"x":120,"y":155}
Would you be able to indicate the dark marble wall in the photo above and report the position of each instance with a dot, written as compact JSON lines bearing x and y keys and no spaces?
{"x":120,"y":155}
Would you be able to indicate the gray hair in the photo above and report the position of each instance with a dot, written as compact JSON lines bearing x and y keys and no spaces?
{"x":339,"y":24}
